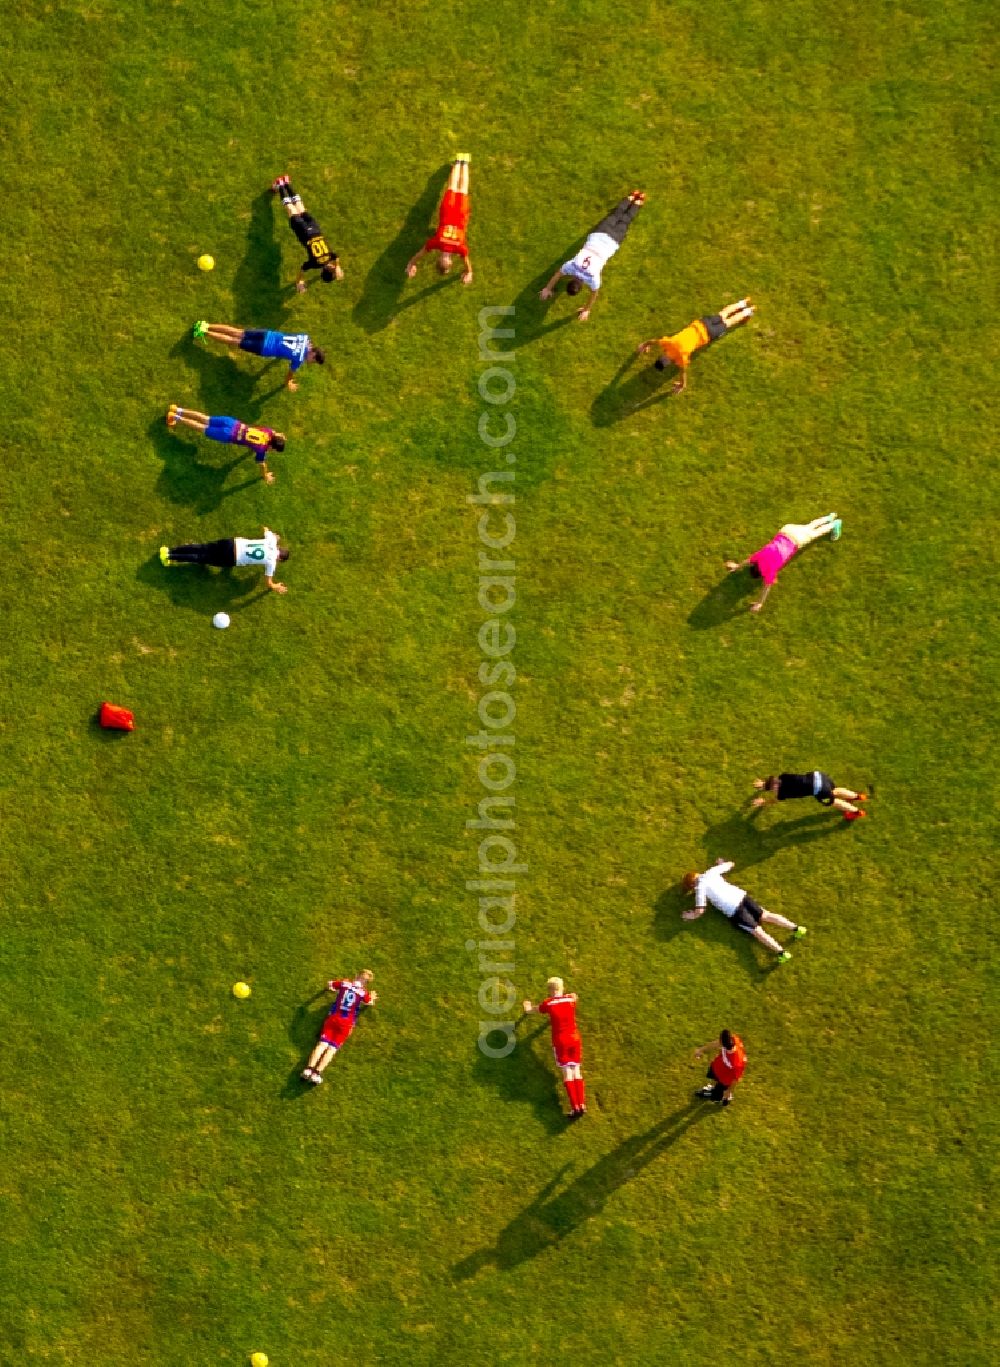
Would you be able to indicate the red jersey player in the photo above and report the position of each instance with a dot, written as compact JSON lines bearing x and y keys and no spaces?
{"x":349,"y":996}
{"x":560,"y":1007}
{"x":726,"y":1067}
{"x":453,"y":223}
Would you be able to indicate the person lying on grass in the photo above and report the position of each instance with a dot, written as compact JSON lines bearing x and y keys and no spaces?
{"x":738,"y":906}
{"x":679,"y":348}
{"x":768,"y":562}
{"x":231,"y":431}
{"x":453,"y":224}
{"x":310,"y":234}
{"x":232,"y":551}
{"x":600,"y":246}
{"x":782,"y":787}
{"x":349,"y":996}
{"x":294,"y":347}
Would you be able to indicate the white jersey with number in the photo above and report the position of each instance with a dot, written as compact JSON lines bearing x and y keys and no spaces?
{"x":263,"y":552}
{"x":591,"y":259}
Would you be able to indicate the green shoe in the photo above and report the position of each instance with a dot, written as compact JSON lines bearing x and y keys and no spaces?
{"x":198,"y":331}
{"x":836,"y":530}
{"x":784,"y":956}
{"x":799,"y":932}
{"x":164,"y":555}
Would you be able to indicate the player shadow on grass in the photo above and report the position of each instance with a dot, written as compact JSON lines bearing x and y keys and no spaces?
{"x":303,"y":1031}
{"x":527,"y":1075}
{"x":554,"y":1214}
{"x":751,"y":838}
{"x":202,"y":589}
{"x":741,"y":839}
{"x":258,"y":293}
{"x":630,"y":393}
{"x":185,"y":479}
{"x":225,"y":386}
{"x":723,"y":601}
{"x":382,"y":295}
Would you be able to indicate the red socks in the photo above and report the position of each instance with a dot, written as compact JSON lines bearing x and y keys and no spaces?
{"x":576,"y":1094}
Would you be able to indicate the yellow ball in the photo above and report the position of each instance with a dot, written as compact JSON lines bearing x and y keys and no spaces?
{"x":259,"y":1359}
{"x":206,"y":262}
{"x":241,"y":990}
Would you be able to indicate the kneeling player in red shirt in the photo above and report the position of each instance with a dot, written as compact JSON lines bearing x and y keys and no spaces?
{"x":560,"y":1007}
{"x":726,"y":1068}
{"x":453,"y":223}
{"x":349,"y":996}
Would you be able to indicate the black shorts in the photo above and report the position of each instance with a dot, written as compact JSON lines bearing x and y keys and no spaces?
{"x":718,"y":1088}
{"x":304,"y":226}
{"x":747,"y":915}
{"x":714,"y":326}
{"x":252,"y":341}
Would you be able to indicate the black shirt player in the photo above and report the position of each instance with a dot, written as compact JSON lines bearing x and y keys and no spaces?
{"x":310,"y":234}
{"x":782,"y":787}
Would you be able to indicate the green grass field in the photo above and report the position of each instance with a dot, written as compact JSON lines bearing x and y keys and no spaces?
{"x":293,"y":802}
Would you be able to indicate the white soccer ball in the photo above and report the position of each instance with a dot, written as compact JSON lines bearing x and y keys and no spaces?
{"x":221,"y":620}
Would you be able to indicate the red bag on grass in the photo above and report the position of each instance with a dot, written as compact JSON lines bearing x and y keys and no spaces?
{"x":114,"y":718}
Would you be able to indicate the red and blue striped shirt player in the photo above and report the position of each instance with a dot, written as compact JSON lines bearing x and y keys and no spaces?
{"x":560,"y":1007}
{"x":231,"y":432}
{"x":349,"y":996}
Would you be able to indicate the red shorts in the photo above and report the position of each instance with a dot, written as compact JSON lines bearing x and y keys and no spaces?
{"x":336,"y":1032}
{"x":568,"y":1050}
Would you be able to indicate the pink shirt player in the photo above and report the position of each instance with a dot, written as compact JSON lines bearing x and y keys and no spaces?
{"x":767,"y":563}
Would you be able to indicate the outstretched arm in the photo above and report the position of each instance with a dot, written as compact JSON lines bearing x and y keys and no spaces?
{"x":756,"y":607}
{"x":643,"y":347}
{"x":733,"y":565}
{"x":584,"y":313}
{"x":712,"y":1044}
{"x":679,"y":385}
{"x":546,"y":293}
{"x":467,"y":273}
{"x":411,"y":265}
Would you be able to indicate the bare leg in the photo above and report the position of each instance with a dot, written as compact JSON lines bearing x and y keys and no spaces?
{"x":458,"y":180}
{"x":768,"y":940}
{"x":774,"y":919}
{"x":224,"y":332}
{"x":199,"y":421}
{"x":329,"y":1053}
{"x":850,"y":794}
{"x":802,"y":533}
{"x":734,"y":314}
{"x":294,"y":206}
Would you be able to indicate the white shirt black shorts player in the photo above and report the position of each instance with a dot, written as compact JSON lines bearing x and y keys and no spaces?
{"x":735,"y":903}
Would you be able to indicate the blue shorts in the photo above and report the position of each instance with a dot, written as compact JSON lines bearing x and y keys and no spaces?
{"x":253,"y":341}
{"x":222,"y":429}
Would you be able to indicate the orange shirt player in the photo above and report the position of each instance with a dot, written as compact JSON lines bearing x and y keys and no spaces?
{"x":679,"y":348}
{"x":453,"y":222}
{"x":560,"y":1007}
